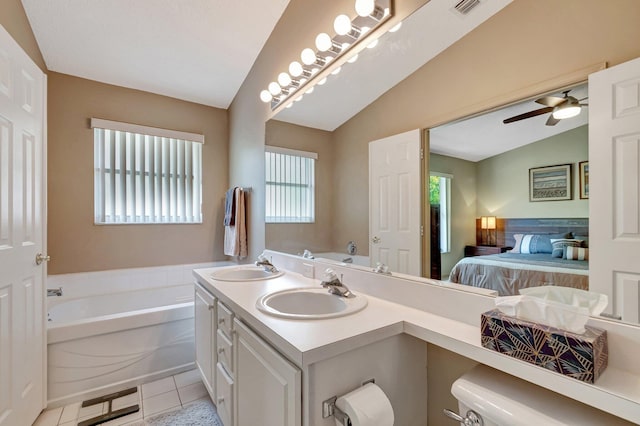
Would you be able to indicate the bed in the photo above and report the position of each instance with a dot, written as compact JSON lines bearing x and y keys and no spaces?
{"x":545,"y":252}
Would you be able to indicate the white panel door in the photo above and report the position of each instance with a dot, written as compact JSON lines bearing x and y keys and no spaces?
{"x":22,"y":339}
{"x":394,"y":202}
{"x":614,"y":166}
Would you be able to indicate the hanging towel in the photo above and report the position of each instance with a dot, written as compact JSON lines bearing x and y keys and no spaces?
{"x":235,"y":236}
{"x":229,"y":207}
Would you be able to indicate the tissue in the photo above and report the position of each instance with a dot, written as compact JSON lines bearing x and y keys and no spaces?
{"x":595,"y":303}
{"x":547,"y":312}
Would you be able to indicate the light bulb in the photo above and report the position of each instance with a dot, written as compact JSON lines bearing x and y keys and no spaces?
{"x":342,"y":24}
{"x":373,"y":44}
{"x":274,"y":88}
{"x":284,"y":79}
{"x":323,"y":81}
{"x":365,"y":7}
{"x":323,"y":42}
{"x":308,"y":56}
{"x":265,"y":96}
{"x":353,"y":59}
{"x":295,"y":69}
{"x":336,"y":71}
{"x":566,"y":112}
{"x":396,"y":27}
{"x":364,"y":30}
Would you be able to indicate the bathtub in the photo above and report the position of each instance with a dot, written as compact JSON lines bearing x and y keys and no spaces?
{"x":104,"y":343}
{"x":344,"y":258}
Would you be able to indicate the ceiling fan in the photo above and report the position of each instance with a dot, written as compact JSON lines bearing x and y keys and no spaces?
{"x":559,"y":107}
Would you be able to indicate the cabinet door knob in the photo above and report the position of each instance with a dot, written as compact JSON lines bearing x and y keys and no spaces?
{"x":211,"y":307}
{"x":221,"y":321}
{"x":220,"y":350}
{"x":220,"y":400}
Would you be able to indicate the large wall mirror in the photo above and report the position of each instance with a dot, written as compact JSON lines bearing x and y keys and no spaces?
{"x":512,"y":175}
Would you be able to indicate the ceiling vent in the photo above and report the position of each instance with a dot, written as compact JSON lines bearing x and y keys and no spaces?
{"x":463,"y":7}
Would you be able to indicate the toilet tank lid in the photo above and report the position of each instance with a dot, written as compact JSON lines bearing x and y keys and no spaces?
{"x":507,"y":400}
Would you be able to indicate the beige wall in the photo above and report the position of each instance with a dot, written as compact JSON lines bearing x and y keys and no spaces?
{"x":291,"y":237}
{"x":14,"y":20}
{"x":247,"y":114}
{"x":463,"y":205}
{"x":510,"y":52}
{"x":503,"y":180}
{"x":74,"y":242}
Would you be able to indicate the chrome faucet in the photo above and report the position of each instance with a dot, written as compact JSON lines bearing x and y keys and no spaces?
{"x":308,"y":255}
{"x":54,"y":291}
{"x":334,"y":284}
{"x":266,"y":264}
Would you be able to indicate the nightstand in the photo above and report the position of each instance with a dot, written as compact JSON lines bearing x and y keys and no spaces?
{"x":483,"y":250}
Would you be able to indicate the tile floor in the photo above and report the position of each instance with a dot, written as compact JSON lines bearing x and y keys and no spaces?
{"x":168,"y":394}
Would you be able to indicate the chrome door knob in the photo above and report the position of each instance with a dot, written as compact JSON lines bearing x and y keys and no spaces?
{"x":375,"y":240}
{"x":40,"y":258}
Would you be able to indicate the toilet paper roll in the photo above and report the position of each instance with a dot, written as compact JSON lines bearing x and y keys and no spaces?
{"x":367,"y":406}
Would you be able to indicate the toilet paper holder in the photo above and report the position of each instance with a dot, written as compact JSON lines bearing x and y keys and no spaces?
{"x":329,"y":408}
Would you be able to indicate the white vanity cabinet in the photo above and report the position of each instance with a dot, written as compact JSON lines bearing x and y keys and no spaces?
{"x":248,"y":380}
{"x":267,"y":386}
{"x":205,"y":324}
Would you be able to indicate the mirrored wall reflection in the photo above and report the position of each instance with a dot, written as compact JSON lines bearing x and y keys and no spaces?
{"x":489,"y":163}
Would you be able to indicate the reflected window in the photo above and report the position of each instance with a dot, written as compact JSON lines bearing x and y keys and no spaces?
{"x":440,"y":199}
{"x":290,"y":185}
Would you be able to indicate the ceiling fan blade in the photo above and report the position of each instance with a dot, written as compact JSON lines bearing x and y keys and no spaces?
{"x":550,"y":101}
{"x":551,"y":121}
{"x":528,"y":115}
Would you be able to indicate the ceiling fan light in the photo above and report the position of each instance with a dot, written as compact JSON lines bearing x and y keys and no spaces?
{"x":566,"y":111}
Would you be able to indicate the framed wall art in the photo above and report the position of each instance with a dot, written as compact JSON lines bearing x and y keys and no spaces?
{"x":550,"y":183}
{"x":583,"y":168}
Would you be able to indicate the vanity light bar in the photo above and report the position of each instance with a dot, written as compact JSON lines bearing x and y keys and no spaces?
{"x":316,"y":65}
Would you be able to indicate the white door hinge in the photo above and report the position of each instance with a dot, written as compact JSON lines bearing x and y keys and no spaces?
{"x":422,"y":230}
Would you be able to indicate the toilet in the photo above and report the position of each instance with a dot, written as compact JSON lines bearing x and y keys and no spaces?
{"x":499,"y":399}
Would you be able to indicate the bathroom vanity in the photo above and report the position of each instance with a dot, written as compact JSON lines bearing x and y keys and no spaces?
{"x":261,"y":368}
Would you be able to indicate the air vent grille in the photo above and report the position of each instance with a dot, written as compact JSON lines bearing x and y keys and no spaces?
{"x":464,"y":6}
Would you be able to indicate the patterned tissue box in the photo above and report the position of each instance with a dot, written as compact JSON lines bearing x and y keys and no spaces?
{"x":581,"y":356}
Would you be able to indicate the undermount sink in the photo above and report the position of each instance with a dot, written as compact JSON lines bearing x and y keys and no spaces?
{"x":309,"y":303}
{"x":244,"y":273}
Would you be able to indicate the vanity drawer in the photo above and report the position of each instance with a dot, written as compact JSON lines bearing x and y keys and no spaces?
{"x":225,"y":319}
{"x":225,"y":354}
{"x":224,"y":400}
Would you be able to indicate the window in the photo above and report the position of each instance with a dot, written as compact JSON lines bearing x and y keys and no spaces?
{"x":290,"y":185}
{"x":440,"y":195}
{"x":145,"y":174}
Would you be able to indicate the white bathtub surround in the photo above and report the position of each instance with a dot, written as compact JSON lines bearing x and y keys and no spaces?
{"x":154,"y":398}
{"x":432,"y":313}
{"x":102,"y":339}
{"x":83,"y":284}
{"x":343,"y":258}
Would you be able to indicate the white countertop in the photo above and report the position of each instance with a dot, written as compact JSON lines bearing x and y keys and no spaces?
{"x":305,"y":342}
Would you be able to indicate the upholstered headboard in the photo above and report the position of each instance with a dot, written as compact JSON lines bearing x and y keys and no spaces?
{"x":506,"y":228}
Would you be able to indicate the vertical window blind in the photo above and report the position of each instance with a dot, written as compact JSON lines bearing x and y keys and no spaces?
{"x":290,"y":185}
{"x":146,"y":175}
